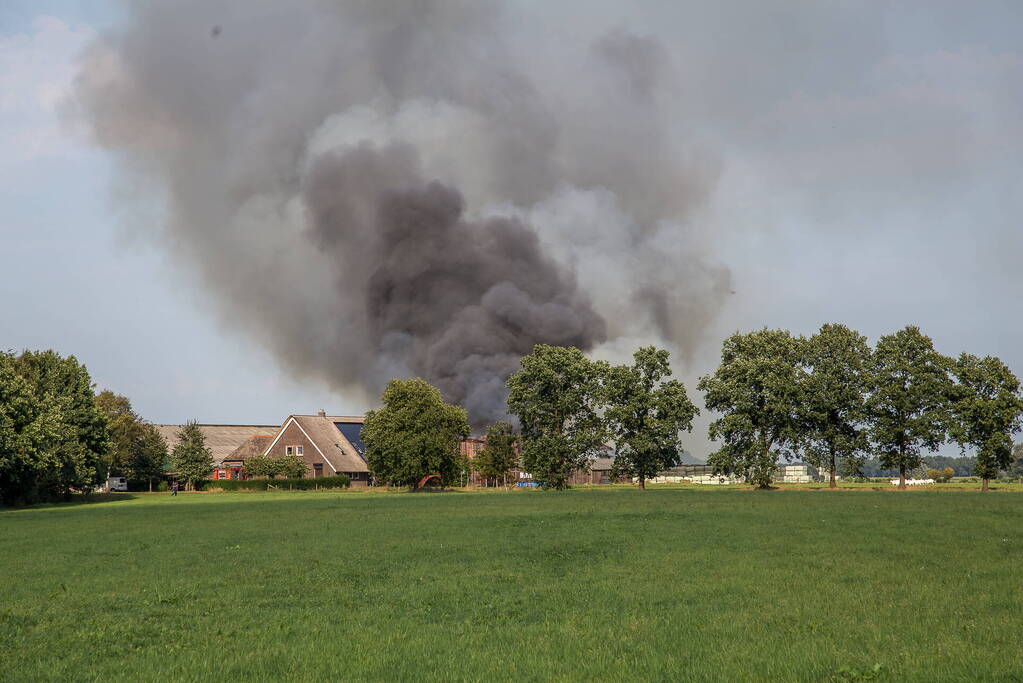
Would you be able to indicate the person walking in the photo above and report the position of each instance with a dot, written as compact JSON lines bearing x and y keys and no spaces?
{"x":174,"y":488}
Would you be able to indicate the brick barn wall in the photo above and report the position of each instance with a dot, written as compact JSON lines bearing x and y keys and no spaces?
{"x":293,"y":436}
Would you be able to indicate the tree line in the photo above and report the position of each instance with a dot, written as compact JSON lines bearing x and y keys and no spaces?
{"x":58,"y":436}
{"x":830,"y":399}
{"x":567,"y":407}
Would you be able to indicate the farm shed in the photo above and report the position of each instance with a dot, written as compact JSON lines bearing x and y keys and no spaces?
{"x":222,"y":440}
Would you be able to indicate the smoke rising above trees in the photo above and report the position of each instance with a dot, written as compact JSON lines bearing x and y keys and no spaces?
{"x":379,"y":189}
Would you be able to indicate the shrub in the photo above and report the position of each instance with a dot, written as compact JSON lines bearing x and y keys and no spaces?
{"x":340,"y":481}
{"x":942,"y":476}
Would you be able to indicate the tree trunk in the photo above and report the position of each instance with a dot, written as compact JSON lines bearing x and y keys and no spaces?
{"x":902,"y":477}
{"x":832,"y":483}
{"x":642,"y":482}
{"x":983,"y":484}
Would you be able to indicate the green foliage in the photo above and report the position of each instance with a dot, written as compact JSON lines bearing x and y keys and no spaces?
{"x":339,"y":481}
{"x":191,"y":459}
{"x":137,"y":450}
{"x":909,"y":407}
{"x":414,"y":434}
{"x":500,"y":455}
{"x":941,"y":476}
{"x":52,"y":437}
{"x":291,"y":467}
{"x":646,"y":414}
{"x":987,"y":407}
{"x":833,"y":409}
{"x":1016,"y":468}
{"x":556,"y":396}
{"x":260,"y":466}
{"x":288,"y":466}
{"x":758,"y":388}
{"x":150,"y":459}
{"x":962,"y":467}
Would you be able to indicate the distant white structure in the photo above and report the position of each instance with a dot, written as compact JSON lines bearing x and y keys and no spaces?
{"x":694,"y":474}
{"x":794,"y":473}
{"x":914,"y":482}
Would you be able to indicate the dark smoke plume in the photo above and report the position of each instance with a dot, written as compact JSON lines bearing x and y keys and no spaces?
{"x":380,"y":188}
{"x":455,"y":300}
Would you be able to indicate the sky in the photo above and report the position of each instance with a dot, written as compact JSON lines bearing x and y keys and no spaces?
{"x":867,"y":169}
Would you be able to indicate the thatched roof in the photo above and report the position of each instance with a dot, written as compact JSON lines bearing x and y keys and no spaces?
{"x":254,"y":445}
{"x":323,"y":431}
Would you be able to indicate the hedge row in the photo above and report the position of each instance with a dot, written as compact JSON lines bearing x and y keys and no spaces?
{"x":341,"y":481}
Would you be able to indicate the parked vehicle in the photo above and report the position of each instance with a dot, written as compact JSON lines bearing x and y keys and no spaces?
{"x":117,"y":484}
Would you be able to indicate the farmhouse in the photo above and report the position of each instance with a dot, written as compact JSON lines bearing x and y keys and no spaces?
{"x":329,"y":444}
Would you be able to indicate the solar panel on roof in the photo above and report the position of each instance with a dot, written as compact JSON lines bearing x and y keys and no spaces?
{"x":353,"y":432}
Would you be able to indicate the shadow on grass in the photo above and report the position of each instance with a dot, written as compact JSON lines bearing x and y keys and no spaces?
{"x":76,"y":500}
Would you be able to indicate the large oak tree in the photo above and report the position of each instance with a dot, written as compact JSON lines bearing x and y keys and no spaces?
{"x":646,"y":414}
{"x":987,"y":411}
{"x":413,"y":435}
{"x":757,"y":389}
{"x":833,"y":411}
{"x":556,"y":397}
{"x":909,"y":402}
{"x":52,"y":436}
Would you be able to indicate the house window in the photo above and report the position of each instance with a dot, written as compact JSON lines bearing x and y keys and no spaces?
{"x":299,"y":450}
{"x":294,"y":450}
{"x":318,"y":469}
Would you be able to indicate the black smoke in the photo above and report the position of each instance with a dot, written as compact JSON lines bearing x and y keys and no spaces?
{"x":461,"y":300}
{"x":389,"y":188}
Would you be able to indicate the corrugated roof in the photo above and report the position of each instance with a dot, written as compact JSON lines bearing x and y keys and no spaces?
{"x":222,"y":440}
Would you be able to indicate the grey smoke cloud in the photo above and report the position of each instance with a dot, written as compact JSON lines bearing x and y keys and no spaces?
{"x":387,"y":188}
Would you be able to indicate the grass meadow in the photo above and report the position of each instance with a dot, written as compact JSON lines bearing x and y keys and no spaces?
{"x":606,"y":584}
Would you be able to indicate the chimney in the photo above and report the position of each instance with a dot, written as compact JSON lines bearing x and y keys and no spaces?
{"x":322,"y":413}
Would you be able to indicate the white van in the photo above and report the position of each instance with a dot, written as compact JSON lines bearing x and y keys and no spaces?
{"x":117,"y":484}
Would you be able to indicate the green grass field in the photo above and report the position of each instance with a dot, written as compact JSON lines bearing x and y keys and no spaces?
{"x":611,"y":584}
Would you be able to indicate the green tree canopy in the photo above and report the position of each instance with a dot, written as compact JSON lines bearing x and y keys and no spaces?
{"x":758,"y":389}
{"x":137,"y":450}
{"x":30,"y":427}
{"x":909,"y":404}
{"x":987,"y":409}
{"x":291,"y":467}
{"x":500,"y":455}
{"x":556,"y":396}
{"x":150,"y":459}
{"x":646,"y":415}
{"x":52,"y":436}
{"x":834,"y":393}
{"x":192,"y":460}
{"x":414,"y":434}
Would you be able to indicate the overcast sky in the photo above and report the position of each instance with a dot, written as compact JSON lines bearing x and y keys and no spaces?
{"x":869,"y":170}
